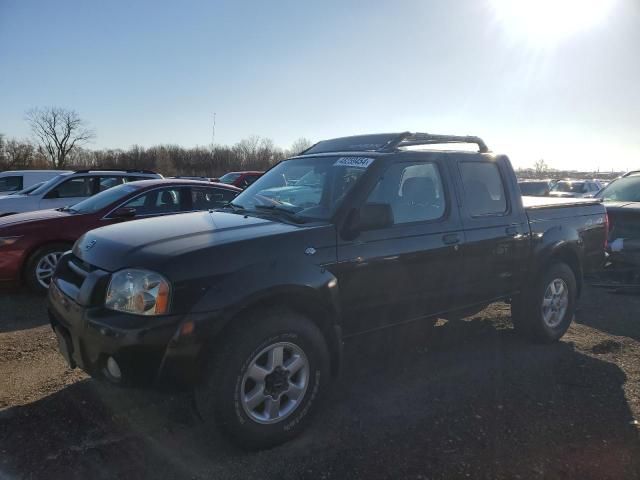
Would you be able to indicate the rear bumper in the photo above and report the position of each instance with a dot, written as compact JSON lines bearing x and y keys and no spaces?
{"x":148,"y":350}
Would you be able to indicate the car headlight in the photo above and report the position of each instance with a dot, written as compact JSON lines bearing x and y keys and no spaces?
{"x":6,"y":241}
{"x":140,"y":292}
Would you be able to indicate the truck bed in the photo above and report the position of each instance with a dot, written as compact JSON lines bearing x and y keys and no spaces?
{"x":549,"y":202}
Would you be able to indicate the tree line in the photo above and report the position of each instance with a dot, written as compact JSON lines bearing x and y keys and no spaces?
{"x":60,"y":137}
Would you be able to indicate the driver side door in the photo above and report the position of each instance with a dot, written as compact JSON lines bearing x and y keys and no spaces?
{"x":408,"y":270}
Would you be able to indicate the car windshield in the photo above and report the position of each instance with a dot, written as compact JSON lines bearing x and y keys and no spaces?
{"x":229,"y":177}
{"x":622,"y":190}
{"x":27,"y":190}
{"x":46,"y":185}
{"x":568,"y":187}
{"x":104,"y":199}
{"x":309,"y":188}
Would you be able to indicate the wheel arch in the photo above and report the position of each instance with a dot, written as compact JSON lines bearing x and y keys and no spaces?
{"x":304,"y":300}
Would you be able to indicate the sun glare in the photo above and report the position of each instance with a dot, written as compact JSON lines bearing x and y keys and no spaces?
{"x":545,"y":23}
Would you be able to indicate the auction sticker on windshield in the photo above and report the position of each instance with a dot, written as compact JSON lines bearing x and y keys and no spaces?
{"x":358,"y":162}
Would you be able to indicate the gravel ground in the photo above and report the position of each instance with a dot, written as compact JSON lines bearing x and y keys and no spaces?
{"x":469,"y":400}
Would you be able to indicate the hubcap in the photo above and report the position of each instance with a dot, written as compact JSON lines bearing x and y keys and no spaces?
{"x":275,"y":383}
{"x":46,"y":266}
{"x":555,"y":303}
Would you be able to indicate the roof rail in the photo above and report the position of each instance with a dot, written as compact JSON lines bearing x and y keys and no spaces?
{"x":408,"y":139}
{"x":115,"y":170}
{"x":631,"y":172}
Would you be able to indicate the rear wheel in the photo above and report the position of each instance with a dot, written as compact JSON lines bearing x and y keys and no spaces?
{"x":41,"y":265}
{"x":266,"y":379}
{"x":545,"y":310}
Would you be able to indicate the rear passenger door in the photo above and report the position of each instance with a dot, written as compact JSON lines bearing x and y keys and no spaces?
{"x":496,"y":230}
{"x":406,"y":271}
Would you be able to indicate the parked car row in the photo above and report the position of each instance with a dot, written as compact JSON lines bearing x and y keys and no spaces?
{"x":249,"y":304}
{"x":560,"y":188}
{"x":32,"y":243}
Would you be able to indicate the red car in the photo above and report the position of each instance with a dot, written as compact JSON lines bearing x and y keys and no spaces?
{"x":31,"y":243}
{"x":239,"y":179}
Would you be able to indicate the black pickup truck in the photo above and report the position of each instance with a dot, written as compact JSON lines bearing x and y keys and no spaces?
{"x":250,"y":304}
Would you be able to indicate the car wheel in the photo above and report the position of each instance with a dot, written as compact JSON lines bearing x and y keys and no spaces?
{"x":263,"y":383}
{"x":544,"y":312}
{"x":41,"y":265}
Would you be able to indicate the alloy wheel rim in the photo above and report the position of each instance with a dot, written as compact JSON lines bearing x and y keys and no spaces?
{"x":555,"y":302}
{"x":274,"y":383}
{"x":45,"y":268}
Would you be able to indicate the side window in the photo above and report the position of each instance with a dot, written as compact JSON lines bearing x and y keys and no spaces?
{"x":157,"y":202}
{"x":414,"y":191}
{"x":11,"y":184}
{"x":483,"y":189}
{"x":105,"y":183}
{"x":248,"y":180}
{"x":74,"y":187}
{"x":203,"y":198}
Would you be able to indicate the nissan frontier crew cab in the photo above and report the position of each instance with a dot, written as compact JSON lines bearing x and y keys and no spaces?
{"x":250,"y":304}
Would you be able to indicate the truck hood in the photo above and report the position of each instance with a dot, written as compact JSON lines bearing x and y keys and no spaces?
{"x":154,"y":242}
{"x":39,"y":215}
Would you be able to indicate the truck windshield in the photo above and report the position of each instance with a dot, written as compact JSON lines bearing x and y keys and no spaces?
{"x":622,"y":190}
{"x":309,"y":188}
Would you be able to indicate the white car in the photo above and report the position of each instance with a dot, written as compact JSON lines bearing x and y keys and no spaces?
{"x":15,"y":180}
{"x":69,"y":188}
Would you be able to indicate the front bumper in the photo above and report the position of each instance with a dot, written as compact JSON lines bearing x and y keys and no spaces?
{"x":148,"y":350}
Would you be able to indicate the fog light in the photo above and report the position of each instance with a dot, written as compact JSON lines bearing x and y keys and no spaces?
{"x":113,"y":369}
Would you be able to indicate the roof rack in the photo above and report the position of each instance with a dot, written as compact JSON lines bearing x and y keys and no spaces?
{"x":632,"y":172}
{"x":115,"y":170}
{"x":408,"y":139}
{"x":386,"y":142}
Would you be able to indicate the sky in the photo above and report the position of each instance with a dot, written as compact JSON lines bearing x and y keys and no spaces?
{"x":551,"y":79}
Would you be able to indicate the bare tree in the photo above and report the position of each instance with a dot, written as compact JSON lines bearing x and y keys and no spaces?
{"x":300,"y":145}
{"x":18,"y":154}
{"x":59,"y":132}
{"x":541,"y":166}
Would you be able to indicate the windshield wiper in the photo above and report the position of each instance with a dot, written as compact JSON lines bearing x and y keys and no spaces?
{"x":233,"y":206}
{"x":275,"y":208}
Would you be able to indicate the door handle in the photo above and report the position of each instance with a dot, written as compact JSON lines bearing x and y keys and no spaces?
{"x":511,"y":231}
{"x":451,"y":239}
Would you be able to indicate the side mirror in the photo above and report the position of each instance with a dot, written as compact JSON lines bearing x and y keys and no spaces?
{"x":53,"y":194}
{"x":371,"y":216}
{"x":124,"y":212}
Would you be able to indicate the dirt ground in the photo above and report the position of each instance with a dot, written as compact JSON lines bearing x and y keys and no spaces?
{"x":471,"y":400}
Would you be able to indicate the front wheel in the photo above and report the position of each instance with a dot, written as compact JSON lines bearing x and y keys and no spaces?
{"x":262,"y":385}
{"x":41,"y":265}
{"x":544,"y":311}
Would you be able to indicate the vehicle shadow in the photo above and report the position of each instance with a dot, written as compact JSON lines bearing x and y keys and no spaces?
{"x":619,"y":317}
{"x":474,"y":401}
{"x":21,"y":310}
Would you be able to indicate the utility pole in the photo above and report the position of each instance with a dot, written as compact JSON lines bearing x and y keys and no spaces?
{"x":213,"y":132}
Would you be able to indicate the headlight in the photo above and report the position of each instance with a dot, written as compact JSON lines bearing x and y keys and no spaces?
{"x":6,"y":241}
{"x":140,"y":292}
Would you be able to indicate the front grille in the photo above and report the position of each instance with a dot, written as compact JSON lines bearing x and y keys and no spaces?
{"x":73,"y":272}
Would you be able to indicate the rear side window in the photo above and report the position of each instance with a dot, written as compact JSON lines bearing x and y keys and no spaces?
{"x":414,"y":191}
{"x":483,"y":188}
{"x":11,"y":184}
{"x":203,"y":198}
{"x":105,"y":183}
